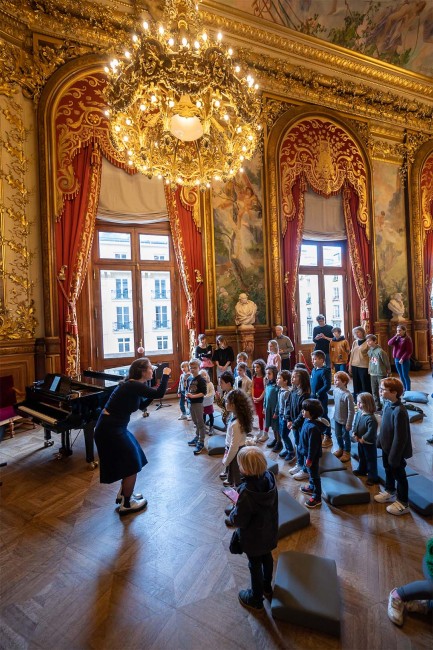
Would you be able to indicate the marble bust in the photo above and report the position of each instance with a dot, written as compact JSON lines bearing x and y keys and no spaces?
{"x":396,"y":306}
{"x":245,"y":312}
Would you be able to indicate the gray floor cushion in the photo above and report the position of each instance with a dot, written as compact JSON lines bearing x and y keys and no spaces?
{"x":216,"y":445}
{"x":381,"y":472}
{"x":330,"y":463}
{"x":343,"y":489}
{"x":273,"y":466}
{"x":306,"y":592}
{"x":415,"y":396}
{"x":415,"y":417}
{"x":421,"y":494}
{"x":218,"y":422}
{"x":291,"y":514}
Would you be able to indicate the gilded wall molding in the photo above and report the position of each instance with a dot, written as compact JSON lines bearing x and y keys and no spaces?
{"x":17,"y":310}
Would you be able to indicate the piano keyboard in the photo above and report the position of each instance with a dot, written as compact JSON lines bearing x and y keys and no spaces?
{"x":39,"y":415}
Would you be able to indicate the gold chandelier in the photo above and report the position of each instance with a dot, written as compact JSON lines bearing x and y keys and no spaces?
{"x":177,"y":105}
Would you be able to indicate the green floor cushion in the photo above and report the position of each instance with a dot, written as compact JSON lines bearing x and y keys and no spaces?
{"x":218,"y":422}
{"x":381,"y":472}
{"x":216,"y":445}
{"x":330,"y":463}
{"x":291,"y":514}
{"x":416,"y":396}
{"x":306,"y":592}
{"x":421,"y":494}
{"x":343,"y":489}
{"x":273,"y":466}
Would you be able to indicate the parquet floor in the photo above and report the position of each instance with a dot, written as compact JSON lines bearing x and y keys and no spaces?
{"x":75,"y":576}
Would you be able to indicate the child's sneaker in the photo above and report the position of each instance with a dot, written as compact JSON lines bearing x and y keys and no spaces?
{"x":263,"y":437}
{"x":398,"y":508}
{"x":395,"y":608}
{"x":283,"y":454}
{"x":301,"y":475}
{"x":131,"y":505}
{"x":182,"y":417}
{"x":313,"y":503}
{"x":246,"y":599}
{"x":198,"y":449}
{"x":295,"y":469}
{"x":193,"y":442}
{"x":384,"y":497}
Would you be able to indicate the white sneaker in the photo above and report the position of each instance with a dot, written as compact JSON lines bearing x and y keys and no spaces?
{"x":295,"y":469}
{"x":182,"y":417}
{"x":134,"y":506}
{"x":397,"y":508}
{"x":135,"y":495}
{"x":301,"y":475}
{"x":395,"y":608}
{"x":263,"y":437}
{"x":384,"y":497}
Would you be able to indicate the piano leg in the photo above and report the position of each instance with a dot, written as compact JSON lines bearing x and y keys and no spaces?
{"x":47,"y":438}
{"x":89,"y":432}
{"x":65,"y":449}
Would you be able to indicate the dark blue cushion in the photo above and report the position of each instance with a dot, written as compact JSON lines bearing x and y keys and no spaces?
{"x":216,"y":445}
{"x":343,"y":489}
{"x":415,"y":396}
{"x":291,"y":514}
{"x":421,"y":494}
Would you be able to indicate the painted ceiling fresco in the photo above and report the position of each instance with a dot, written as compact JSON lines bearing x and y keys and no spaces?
{"x":396,"y":31}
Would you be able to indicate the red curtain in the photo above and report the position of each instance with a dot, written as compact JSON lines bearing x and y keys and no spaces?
{"x":291,"y":251}
{"x":360,"y":257}
{"x":74,"y":236}
{"x":187,"y":241}
{"x":428,"y":274}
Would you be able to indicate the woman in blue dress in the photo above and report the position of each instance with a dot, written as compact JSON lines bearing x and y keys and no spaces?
{"x":120,"y":455}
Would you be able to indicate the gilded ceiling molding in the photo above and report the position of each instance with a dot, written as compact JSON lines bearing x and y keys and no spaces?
{"x":17,"y":311}
{"x":427,"y":194}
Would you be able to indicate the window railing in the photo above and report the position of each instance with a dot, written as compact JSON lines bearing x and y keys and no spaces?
{"x":160,"y":295}
{"x":121,"y":294}
{"x":122,"y":325}
{"x":161,"y":324}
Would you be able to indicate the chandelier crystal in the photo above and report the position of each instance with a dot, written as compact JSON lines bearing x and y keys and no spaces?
{"x":177,"y":103}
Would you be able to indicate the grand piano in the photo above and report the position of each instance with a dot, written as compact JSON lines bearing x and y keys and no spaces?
{"x":60,"y":404}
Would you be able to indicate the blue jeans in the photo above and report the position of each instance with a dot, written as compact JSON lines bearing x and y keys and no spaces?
{"x":343,"y":436}
{"x":340,"y":367}
{"x":285,"y":435}
{"x":368,"y":460}
{"x":182,"y":402}
{"x":396,"y":475}
{"x":315,"y":482}
{"x":403,"y":372}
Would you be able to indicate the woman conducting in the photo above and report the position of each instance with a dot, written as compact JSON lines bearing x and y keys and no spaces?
{"x":120,"y":454}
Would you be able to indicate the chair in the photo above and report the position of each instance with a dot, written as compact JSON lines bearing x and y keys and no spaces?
{"x":8,"y":398}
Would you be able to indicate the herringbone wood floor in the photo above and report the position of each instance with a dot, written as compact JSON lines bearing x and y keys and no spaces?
{"x":76,"y":576}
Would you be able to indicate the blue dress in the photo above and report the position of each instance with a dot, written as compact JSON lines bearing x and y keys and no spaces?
{"x":120,"y":454}
{"x":271,"y":399}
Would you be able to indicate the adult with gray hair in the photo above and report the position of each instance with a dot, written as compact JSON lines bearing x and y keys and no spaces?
{"x":285,"y":347}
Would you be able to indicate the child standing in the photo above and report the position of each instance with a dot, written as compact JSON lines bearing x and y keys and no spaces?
{"x":225,"y":385}
{"x":299,"y":393}
{"x":396,"y":444}
{"x":310,"y":449}
{"x":242,"y":357}
{"x":378,"y":367}
{"x":344,"y":412}
{"x":274,"y":358}
{"x":358,"y":362}
{"x":195,"y":392}
{"x":240,"y":425}
{"x":181,"y":389}
{"x":402,"y":348}
{"x":339,"y":350}
{"x":259,"y":369}
{"x":320,"y":384}
{"x":208,"y":400}
{"x":223,"y":356}
{"x":242,"y":381}
{"x":284,"y":395}
{"x":256,"y":517}
{"x":203,"y":352}
{"x":365,"y":432}
{"x":269,"y":404}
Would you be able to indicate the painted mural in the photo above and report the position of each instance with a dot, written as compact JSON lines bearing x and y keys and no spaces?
{"x":239,"y":250}
{"x":396,"y":31}
{"x":390,"y":235}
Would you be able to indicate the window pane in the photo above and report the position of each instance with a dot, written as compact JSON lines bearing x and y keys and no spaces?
{"x":308,"y":305}
{"x":157,"y":320}
{"x":334,"y":301}
{"x":332,"y":256}
{"x":154,"y":247}
{"x":115,"y":245}
{"x":117,"y":314}
{"x":308,"y":255}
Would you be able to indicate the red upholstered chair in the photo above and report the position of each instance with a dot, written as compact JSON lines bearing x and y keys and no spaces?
{"x":8,"y":397}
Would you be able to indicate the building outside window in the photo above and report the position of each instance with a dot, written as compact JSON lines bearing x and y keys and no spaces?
{"x":124,"y":344}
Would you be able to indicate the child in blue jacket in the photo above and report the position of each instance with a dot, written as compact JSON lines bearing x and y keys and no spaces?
{"x":320,"y":385}
{"x":310,"y":449}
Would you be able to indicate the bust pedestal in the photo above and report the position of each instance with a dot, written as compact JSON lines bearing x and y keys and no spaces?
{"x":246,"y":332}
